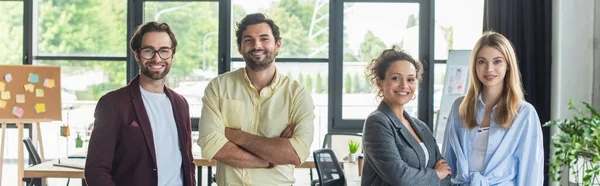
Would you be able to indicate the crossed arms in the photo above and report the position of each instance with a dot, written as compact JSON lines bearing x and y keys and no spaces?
{"x":251,"y":151}
{"x":245,"y":150}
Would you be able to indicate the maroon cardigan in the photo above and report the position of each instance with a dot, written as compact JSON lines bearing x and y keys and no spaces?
{"x":121,"y":150}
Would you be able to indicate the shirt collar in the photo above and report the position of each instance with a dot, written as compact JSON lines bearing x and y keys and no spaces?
{"x":273,"y":84}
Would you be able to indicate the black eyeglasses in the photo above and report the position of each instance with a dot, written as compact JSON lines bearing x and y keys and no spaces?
{"x":149,"y":53}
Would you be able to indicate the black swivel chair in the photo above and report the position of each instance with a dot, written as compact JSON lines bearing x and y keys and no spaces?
{"x":336,"y":136}
{"x":34,"y":159}
{"x":328,"y":168}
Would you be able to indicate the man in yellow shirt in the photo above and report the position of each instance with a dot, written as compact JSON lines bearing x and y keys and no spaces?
{"x":256,"y":122}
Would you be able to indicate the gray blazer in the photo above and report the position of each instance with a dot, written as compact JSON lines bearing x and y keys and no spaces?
{"x":392,"y":156}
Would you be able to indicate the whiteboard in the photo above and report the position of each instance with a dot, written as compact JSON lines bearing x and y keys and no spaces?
{"x":456,"y":83}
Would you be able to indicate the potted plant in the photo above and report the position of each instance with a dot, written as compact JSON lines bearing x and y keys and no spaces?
{"x":577,"y":145}
{"x":353,"y":148}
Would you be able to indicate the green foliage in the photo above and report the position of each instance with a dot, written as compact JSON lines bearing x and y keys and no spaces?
{"x":11,"y":32}
{"x":319,"y":87}
{"x":356,"y":84}
{"x":579,"y":139}
{"x":326,"y":85}
{"x":371,"y":47}
{"x":301,"y":78}
{"x":309,"y":83}
{"x":353,"y":146}
{"x":412,"y":21}
{"x":348,"y":84}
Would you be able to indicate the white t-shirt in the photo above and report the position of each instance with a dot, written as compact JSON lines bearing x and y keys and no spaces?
{"x":166,"y":140}
{"x":426,"y":152}
{"x":477,"y":160}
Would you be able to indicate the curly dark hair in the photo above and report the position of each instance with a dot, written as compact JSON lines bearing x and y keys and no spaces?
{"x":378,"y":66}
{"x":252,"y":19}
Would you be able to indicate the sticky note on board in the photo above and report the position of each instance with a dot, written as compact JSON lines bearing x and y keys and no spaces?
{"x":20,"y":98}
{"x":49,"y":83}
{"x":5,"y":95}
{"x":8,"y":78}
{"x":2,"y":104}
{"x":2,"y":86}
{"x":29,"y":87}
{"x":34,"y":78}
{"x":40,"y":108}
{"x":18,"y":111}
{"x":39,"y":92}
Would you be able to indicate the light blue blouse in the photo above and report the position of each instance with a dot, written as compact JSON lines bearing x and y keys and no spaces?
{"x":515,"y":156}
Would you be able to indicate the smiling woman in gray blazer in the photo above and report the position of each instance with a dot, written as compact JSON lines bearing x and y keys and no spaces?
{"x":399,"y":149}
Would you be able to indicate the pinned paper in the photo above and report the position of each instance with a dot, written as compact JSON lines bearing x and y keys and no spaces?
{"x":39,"y":92}
{"x":20,"y":98}
{"x":8,"y":78}
{"x":5,"y":95}
{"x":2,"y":86}
{"x":34,"y":78}
{"x":29,"y":87}
{"x":2,"y":104}
{"x":49,"y":83}
{"x":40,"y":107}
{"x":17,"y":111}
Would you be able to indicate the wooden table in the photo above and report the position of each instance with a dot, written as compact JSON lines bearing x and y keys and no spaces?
{"x":48,"y":170}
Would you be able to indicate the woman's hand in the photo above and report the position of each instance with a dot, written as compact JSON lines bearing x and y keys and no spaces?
{"x":442,"y":169}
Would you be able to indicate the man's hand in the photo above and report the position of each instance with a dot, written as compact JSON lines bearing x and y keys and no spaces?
{"x":442,"y":169}
{"x":288,"y":132}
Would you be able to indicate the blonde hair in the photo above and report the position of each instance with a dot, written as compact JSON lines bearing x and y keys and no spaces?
{"x":512,"y":91}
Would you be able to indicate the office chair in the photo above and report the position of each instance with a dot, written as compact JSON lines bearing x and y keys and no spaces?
{"x":328,"y":168}
{"x":34,"y":159}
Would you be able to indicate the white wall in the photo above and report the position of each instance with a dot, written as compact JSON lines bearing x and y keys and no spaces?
{"x":572,"y":54}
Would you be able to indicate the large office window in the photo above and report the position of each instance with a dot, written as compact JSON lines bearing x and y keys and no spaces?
{"x":454,"y":30}
{"x":195,"y":62}
{"x":363,"y":29}
{"x":11,"y":33}
{"x":366,"y":34}
{"x":304,"y":25}
{"x":81,"y":28}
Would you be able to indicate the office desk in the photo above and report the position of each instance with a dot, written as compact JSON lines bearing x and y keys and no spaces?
{"x":48,"y":170}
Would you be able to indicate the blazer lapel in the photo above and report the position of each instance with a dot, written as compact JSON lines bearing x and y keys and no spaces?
{"x":177,"y":113}
{"x":181,"y":130}
{"x":140,"y":111}
{"x":425,"y":138}
{"x":403,"y":131}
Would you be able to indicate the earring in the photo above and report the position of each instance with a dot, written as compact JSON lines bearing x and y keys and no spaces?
{"x":414,"y":97}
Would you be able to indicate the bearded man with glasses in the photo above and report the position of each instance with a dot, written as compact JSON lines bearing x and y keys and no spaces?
{"x":142,"y":132}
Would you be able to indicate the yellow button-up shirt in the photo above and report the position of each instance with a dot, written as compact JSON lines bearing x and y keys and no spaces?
{"x":230,"y":100}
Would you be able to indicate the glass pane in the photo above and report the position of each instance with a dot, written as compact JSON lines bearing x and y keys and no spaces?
{"x":315,"y":77}
{"x":457,"y":29}
{"x":196,"y":27}
{"x":304,"y":25}
{"x":438,"y":85}
{"x":11,"y":33}
{"x":90,"y":27}
{"x":367,"y":32}
{"x":87,"y":80}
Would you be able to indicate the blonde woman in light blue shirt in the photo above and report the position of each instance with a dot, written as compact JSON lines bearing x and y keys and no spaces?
{"x":493,"y":136}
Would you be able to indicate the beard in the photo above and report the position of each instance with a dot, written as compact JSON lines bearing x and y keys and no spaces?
{"x":154,"y":75}
{"x":262,"y":64}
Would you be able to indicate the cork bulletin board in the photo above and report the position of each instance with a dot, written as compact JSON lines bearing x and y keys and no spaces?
{"x":30,"y":92}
